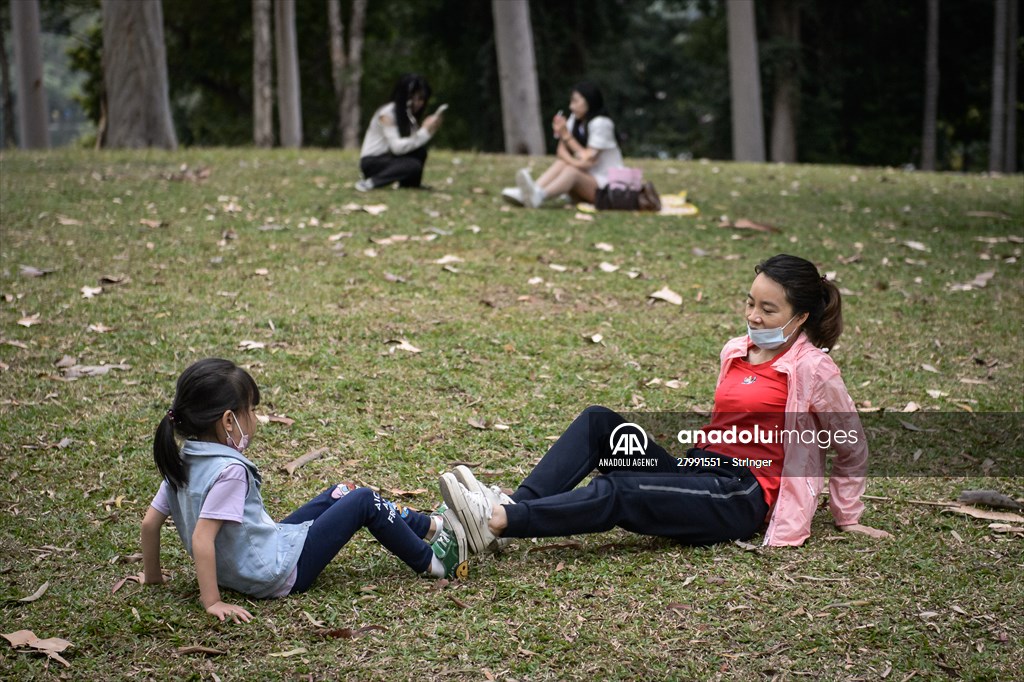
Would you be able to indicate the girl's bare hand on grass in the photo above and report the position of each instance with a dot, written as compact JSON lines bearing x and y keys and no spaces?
{"x":223,"y":610}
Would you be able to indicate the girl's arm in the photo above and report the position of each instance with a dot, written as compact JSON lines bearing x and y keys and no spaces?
{"x":151,"y":523}
{"x":205,"y":555}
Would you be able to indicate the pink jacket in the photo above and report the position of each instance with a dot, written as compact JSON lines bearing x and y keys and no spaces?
{"x":817,"y":401}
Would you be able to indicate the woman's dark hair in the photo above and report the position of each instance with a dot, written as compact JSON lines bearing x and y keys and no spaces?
{"x":408,"y":85}
{"x":595,"y":107}
{"x":808,"y":292}
{"x":205,"y":391}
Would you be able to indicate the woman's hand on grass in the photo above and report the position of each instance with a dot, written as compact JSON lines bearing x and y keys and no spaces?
{"x":223,"y":611}
{"x":142,"y":579}
{"x":865,"y":530}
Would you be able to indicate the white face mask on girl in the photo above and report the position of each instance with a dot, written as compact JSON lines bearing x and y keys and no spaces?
{"x":243,"y":443}
{"x":770,"y":339}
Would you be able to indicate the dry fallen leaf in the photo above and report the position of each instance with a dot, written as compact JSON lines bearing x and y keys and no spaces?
{"x":375,"y":209}
{"x":667,"y":295}
{"x":607,"y":267}
{"x":90,"y":292}
{"x":78,"y":371}
{"x":448,"y":258}
{"x":29,"y":320}
{"x":403,"y":344}
{"x":398,"y":492}
{"x":30,"y":271}
{"x":51,"y":647}
{"x":251,"y":345}
{"x":100,"y":328}
{"x":1006,"y":517}
{"x":37,"y":594}
{"x":744,"y":224}
{"x":290,"y":652}
{"x":196,"y":649}
{"x":291,"y":466}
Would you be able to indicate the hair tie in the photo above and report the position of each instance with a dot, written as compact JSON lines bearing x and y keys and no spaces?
{"x":824,"y":278}
{"x":171,"y":416}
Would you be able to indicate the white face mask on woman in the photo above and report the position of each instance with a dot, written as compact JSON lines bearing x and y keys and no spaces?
{"x":770,"y":339}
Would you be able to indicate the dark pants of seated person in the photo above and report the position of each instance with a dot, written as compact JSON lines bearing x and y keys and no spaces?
{"x":694,"y":505}
{"x":386,"y":169}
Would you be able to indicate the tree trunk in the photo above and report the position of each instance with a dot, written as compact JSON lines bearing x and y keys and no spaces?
{"x":745,"y":83}
{"x":289,"y":107}
{"x":931,"y":87}
{"x":1012,"y":41}
{"x":785,"y":18}
{"x":9,"y":139}
{"x":336,"y":32}
{"x":350,"y":109}
{"x":998,"y":115}
{"x":517,"y":77}
{"x":262,"y":76}
{"x":138,"y":110}
{"x":33,"y":119}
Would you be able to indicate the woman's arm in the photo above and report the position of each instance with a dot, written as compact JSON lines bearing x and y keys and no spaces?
{"x":204,"y":553}
{"x":151,"y":524}
{"x":575,"y":154}
{"x":399,"y":145}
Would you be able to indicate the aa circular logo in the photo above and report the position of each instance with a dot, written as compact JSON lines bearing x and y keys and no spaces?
{"x":628,"y":440}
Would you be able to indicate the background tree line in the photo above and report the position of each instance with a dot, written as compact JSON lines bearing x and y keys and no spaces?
{"x":846,"y":81}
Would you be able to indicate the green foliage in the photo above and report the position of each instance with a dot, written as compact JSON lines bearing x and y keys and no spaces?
{"x":663,"y":66}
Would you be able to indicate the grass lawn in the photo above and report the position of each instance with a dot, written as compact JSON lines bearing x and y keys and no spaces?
{"x":262,"y":247}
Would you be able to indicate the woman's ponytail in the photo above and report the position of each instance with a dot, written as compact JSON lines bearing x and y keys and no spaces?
{"x":830,"y":325}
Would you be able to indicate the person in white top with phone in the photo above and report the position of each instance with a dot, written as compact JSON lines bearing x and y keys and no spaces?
{"x":587,"y":148}
{"x":395,"y":146}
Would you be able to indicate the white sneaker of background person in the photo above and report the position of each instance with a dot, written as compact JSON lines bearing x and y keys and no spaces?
{"x":512,"y":195}
{"x":533,"y":196}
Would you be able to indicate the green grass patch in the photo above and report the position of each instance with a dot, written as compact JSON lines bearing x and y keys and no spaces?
{"x":266,"y":249}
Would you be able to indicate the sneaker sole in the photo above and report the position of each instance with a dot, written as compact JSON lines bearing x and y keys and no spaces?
{"x":452,"y":492}
{"x":461,"y":571}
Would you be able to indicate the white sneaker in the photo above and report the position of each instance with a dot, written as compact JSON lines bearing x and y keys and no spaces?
{"x":512,"y":195}
{"x":364,"y":185}
{"x":473,"y":511}
{"x":532,"y":195}
{"x":493,"y":494}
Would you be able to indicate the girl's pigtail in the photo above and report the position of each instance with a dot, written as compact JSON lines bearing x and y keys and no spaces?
{"x":165,"y":454}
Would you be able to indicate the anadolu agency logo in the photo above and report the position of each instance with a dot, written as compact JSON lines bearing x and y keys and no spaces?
{"x":628,"y":447}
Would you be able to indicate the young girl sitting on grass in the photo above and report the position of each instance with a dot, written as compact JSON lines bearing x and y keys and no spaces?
{"x":212,"y":491}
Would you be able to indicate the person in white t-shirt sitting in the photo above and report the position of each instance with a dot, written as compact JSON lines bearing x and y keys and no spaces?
{"x":395,"y":146}
{"x":587,"y":148}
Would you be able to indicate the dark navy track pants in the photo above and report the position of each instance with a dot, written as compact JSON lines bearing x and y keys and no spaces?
{"x":694,"y":505}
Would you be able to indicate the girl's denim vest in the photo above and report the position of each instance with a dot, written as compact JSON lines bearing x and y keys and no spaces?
{"x":254,"y":557}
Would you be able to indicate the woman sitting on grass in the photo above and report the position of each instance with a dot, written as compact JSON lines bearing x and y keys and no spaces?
{"x":395,"y":146}
{"x":212,"y":491}
{"x":777,"y":376}
{"x":586,"y":150}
